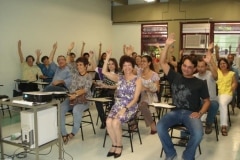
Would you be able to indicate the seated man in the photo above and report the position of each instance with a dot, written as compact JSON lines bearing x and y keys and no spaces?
{"x":30,"y":72}
{"x":62,"y":77}
{"x":187,"y":93}
{"x":48,"y":66}
{"x":210,"y":76}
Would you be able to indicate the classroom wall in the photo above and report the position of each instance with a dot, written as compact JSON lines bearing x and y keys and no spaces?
{"x":172,"y":13}
{"x":40,"y":23}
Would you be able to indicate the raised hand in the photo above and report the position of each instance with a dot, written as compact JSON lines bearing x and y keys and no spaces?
{"x":216,"y":47}
{"x":171,"y":39}
{"x":129,"y":50}
{"x":210,"y":46}
{"x":19,"y":43}
{"x":108,"y":53}
{"x":71,"y":46}
{"x":91,"y":53}
{"x":207,"y":58}
{"x":38,"y":52}
{"x":55,"y":45}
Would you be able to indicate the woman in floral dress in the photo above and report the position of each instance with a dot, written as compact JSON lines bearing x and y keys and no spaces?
{"x":125,"y":107}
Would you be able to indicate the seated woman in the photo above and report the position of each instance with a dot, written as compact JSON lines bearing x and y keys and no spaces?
{"x":125,"y":107}
{"x":150,"y":82}
{"x":80,"y":89}
{"x":227,"y":84}
{"x":107,"y":90}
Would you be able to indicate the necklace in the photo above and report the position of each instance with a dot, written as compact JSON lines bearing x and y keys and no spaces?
{"x":82,"y":74}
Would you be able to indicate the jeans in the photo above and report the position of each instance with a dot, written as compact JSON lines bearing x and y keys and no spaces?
{"x":212,"y":111}
{"x":77,"y":111}
{"x":194,"y":126}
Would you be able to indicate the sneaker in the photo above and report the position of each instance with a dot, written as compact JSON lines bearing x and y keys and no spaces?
{"x":208,"y":129}
{"x":182,"y":142}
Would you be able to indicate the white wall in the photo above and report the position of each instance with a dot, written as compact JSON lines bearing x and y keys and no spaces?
{"x":129,"y":34}
{"x":40,"y":23}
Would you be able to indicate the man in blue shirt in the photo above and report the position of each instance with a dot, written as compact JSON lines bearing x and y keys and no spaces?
{"x":62,"y":77}
{"x":48,"y":66}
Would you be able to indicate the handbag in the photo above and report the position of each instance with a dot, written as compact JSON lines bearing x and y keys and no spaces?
{"x":81,"y":99}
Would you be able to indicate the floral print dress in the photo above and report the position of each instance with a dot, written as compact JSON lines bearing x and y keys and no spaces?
{"x":124,"y":94}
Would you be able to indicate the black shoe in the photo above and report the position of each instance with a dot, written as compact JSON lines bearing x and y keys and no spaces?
{"x":182,"y":142}
{"x":116,"y":155}
{"x":208,"y":129}
{"x":103,"y":126}
{"x":109,"y":154}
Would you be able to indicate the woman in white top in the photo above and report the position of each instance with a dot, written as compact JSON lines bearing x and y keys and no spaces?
{"x":150,"y":82}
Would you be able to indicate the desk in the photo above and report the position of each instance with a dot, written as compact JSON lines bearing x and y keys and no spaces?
{"x":101,"y":99}
{"x":162,"y":107}
{"x":53,"y":103}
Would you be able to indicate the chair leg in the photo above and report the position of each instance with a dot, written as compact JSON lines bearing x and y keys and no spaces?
{"x":2,"y":109}
{"x":82,"y":132}
{"x":161,"y":153}
{"x":92,"y":122}
{"x":199,"y":149}
{"x":9,"y":111}
{"x":216,"y":127}
{"x":105,"y":136}
{"x":229,"y":119}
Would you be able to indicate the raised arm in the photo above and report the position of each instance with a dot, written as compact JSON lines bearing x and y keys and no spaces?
{"x":20,"y":51}
{"x":165,"y":67}
{"x":71,"y":46}
{"x":217,"y":52}
{"x":91,"y":61}
{"x":52,"y":53}
{"x":38,"y":53}
{"x":113,"y":77}
{"x":170,"y":58}
{"x":128,"y":50}
{"x":100,"y":51}
{"x":209,"y":60}
{"x":82,"y":50}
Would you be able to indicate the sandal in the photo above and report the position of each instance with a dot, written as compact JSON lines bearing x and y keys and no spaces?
{"x":70,"y":136}
{"x":116,"y":155}
{"x":133,"y":127}
{"x":109,"y":154}
{"x":224,"y":131}
{"x":65,"y":139}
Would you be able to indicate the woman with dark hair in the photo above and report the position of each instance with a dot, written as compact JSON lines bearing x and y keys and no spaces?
{"x":48,"y":66}
{"x":125,"y":106}
{"x":227,"y":84}
{"x":29,"y":73}
{"x":107,"y":90}
{"x":80,"y":89}
{"x":150,"y":82}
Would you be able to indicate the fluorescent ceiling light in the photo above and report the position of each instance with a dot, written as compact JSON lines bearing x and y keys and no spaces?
{"x":149,"y":1}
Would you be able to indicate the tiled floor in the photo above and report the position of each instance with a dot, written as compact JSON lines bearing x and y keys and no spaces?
{"x":227,"y":148}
